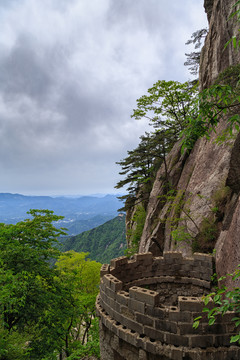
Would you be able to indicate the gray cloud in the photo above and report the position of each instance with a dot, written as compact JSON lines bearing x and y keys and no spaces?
{"x":70,"y":74}
{"x":22,"y":72}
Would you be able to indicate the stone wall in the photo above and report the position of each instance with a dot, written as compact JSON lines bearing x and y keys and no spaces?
{"x":147,"y":306}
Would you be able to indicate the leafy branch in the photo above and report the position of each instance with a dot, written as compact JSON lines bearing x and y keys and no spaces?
{"x":223,"y":300}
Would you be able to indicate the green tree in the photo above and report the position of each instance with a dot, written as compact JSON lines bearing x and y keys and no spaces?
{"x":80,"y":277}
{"x":168,"y":106}
{"x":29,"y":291}
{"x":193,"y":58}
{"x":221,"y":99}
{"x":45,"y":309}
{"x":140,"y":165}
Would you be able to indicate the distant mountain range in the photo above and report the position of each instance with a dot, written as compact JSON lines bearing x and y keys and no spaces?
{"x":103,"y":243}
{"x":81,"y":213}
{"x":92,"y":221}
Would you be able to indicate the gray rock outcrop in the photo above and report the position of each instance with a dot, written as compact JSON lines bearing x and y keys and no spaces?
{"x":207,"y":181}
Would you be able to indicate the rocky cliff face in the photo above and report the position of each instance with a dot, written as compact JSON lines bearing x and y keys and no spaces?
{"x":215,"y":57}
{"x":204,"y":212}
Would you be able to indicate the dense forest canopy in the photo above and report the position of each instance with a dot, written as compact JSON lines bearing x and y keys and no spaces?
{"x":46,"y":310}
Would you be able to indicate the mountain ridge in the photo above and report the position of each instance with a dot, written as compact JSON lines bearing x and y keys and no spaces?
{"x":103,"y":242}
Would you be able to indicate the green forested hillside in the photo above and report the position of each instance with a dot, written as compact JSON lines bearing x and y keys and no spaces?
{"x":78,"y":226}
{"x":103,"y":243}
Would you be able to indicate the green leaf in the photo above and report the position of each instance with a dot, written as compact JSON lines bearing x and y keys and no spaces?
{"x":235,"y":338}
{"x":212,"y":320}
{"x":195,"y":324}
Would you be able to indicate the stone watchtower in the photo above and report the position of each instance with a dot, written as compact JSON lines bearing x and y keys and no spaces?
{"x":147,"y":306}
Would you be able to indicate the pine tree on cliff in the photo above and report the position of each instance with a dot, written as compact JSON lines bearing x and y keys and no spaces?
{"x":168,"y":106}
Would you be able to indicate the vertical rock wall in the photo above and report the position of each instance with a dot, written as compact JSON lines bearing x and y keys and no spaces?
{"x":210,"y":175}
{"x":215,"y":56}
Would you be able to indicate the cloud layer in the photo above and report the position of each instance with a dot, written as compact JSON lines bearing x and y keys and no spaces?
{"x":70,"y":74}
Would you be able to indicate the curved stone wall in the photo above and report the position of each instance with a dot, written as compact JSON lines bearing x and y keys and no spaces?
{"x":147,"y":306}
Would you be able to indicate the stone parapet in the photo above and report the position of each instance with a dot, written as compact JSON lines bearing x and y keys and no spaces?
{"x":150,"y":303}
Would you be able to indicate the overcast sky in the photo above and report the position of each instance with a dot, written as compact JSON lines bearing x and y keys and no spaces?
{"x":70,"y":74}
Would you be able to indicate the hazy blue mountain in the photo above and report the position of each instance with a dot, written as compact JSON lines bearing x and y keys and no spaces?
{"x":13,"y":207}
{"x":75,"y":227}
{"x":103,"y":243}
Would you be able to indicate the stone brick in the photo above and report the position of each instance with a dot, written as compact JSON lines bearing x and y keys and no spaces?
{"x":187,"y":329}
{"x":168,"y":326}
{"x":190,"y":303}
{"x":144,"y":319}
{"x":222,"y":340}
{"x":159,"y":312}
{"x":213,"y":329}
{"x":177,"y":353}
{"x":106,"y":280}
{"x":110,"y":293}
{"x":166,"y":279}
{"x":136,"y":305}
{"x":201,"y":283}
{"x":183,"y":316}
{"x":118,"y":262}
{"x":203,"y":257}
{"x":172,"y":255}
{"x":152,"y":346}
{"x":110,"y":323}
{"x":194,"y":274}
{"x":188,"y":260}
{"x":148,"y":296}
{"x":118,"y":317}
{"x":108,"y":309}
{"x":142,"y":355}
{"x":104,"y":270}
{"x":176,"y":340}
{"x":122,"y":297}
{"x":112,"y":282}
{"x":202,"y":341}
{"x":147,"y":258}
{"x":134,"y":325}
{"x":152,"y":333}
{"x":131,"y":337}
{"x":114,"y":305}
{"x":102,"y":286}
{"x":126,"y":312}
{"x":205,"y":276}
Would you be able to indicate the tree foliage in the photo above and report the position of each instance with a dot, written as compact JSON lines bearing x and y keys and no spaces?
{"x":193,"y":58}
{"x":38,"y":300}
{"x":223,"y":300}
{"x":167,"y":106}
{"x":80,"y":277}
{"x":141,"y":163}
{"x":29,"y":291}
{"x":221,"y":99}
{"x":103,"y":243}
{"x":134,"y":235}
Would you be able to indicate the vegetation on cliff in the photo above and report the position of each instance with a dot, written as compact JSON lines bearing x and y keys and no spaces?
{"x":167,"y":106}
{"x":180,"y":112}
